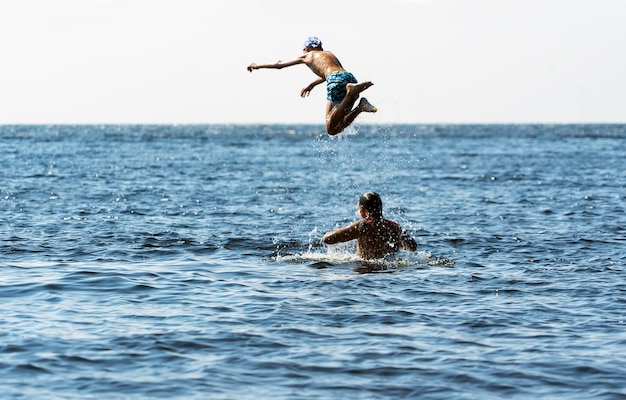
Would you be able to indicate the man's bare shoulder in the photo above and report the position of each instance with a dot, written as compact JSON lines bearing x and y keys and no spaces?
{"x":392,"y":224}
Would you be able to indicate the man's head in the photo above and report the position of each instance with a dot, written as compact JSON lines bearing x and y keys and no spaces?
{"x":312,"y":43}
{"x":372,"y":203}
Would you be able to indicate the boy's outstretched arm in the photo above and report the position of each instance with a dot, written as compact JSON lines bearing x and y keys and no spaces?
{"x":305,"y":92}
{"x":277,"y":65}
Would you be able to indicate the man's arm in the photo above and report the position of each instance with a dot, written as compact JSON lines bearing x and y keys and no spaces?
{"x":305,"y":92}
{"x":346,"y":234}
{"x":407,"y":242}
{"x":277,"y":65}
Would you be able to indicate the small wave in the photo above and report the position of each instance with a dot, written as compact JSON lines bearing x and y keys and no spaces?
{"x":331,"y":258}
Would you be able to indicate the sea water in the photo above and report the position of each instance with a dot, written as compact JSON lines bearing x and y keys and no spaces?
{"x":186,"y":262}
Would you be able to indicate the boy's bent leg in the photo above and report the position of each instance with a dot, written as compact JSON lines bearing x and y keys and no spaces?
{"x":340,"y":116}
{"x":332,"y":120}
{"x":335,"y":125}
{"x":354,"y":89}
{"x":352,"y":94}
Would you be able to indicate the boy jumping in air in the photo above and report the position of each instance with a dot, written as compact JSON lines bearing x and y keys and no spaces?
{"x":342,"y":87}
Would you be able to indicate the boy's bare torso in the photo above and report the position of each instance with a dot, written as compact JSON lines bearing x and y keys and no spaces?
{"x":322,"y":63}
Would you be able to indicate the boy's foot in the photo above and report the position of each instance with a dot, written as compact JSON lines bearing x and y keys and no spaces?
{"x":356,"y":88}
{"x":365,"y":106}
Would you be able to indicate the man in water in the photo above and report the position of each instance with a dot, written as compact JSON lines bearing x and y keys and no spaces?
{"x":376,"y":237}
{"x":342,"y":87}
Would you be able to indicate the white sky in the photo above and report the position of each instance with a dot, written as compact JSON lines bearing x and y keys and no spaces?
{"x":183,"y":61}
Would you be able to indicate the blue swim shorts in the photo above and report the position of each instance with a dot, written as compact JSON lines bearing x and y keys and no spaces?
{"x":336,"y":85}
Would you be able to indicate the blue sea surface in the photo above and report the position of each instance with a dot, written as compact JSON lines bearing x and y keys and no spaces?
{"x":186,"y":262}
